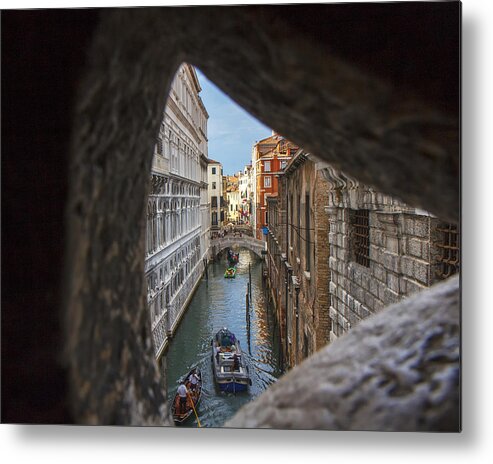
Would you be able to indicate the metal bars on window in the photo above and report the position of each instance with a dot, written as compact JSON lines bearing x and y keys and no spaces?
{"x":361,"y":236}
{"x":448,"y":260}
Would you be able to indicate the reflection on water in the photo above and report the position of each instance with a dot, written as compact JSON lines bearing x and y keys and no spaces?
{"x":218,"y":303}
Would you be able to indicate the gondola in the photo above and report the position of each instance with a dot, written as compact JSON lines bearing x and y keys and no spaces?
{"x":230,"y":273}
{"x":178,"y":416}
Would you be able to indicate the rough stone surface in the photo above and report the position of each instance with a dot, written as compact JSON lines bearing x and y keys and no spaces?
{"x":397,"y":370}
{"x":362,"y":123}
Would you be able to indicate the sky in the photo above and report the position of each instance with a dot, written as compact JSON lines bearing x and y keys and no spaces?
{"x":231,"y":131}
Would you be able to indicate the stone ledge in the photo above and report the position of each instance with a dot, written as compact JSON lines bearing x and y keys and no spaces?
{"x":396,"y":371}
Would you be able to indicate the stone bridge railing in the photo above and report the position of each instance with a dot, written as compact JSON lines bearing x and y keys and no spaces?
{"x":219,"y":244}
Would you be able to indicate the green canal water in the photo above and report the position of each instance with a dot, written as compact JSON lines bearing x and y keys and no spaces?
{"x":217,"y":303}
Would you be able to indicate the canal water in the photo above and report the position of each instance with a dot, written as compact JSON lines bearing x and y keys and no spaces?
{"x":218,"y":303}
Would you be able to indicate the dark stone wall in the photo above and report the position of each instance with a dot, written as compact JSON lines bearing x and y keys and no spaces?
{"x":43,"y":55}
{"x":372,"y":89}
{"x":82,"y":94}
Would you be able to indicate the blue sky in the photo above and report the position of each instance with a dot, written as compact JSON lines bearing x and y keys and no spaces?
{"x":231,"y":130}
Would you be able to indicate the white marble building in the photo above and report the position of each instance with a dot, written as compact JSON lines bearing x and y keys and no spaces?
{"x":177,"y":240}
{"x":215,"y":193}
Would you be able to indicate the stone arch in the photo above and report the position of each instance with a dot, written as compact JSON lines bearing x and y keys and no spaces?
{"x":85,"y":143}
{"x":396,"y":126}
{"x":218,"y":247}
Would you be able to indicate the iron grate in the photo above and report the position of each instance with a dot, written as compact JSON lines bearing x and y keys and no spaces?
{"x":361,"y":236}
{"x":449,"y":259}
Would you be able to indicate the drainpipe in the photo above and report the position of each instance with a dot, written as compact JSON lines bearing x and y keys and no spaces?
{"x":289,"y":271}
{"x":297,"y":291}
{"x":286,"y":219}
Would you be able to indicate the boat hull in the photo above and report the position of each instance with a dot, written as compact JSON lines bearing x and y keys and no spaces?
{"x":232,"y":387}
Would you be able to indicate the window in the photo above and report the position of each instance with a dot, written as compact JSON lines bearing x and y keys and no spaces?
{"x":160,"y":146}
{"x":213,"y":170}
{"x":167,"y":146}
{"x":448,"y":261}
{"x":214,"y":202}
{"x":267,"y":166}
{"x":267,"y":218}
{"x":213,"y":186}
{"x":283,"y":164}
{"x":360,"y":236}
{"x":267,"y":181}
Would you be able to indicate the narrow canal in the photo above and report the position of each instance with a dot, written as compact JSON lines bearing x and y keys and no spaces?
{"x":218,"y":303}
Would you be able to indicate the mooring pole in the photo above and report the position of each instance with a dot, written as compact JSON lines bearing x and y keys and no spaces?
{"x":247,"y":312}
{"x":247,"y":297}
{"x":249,"y":281}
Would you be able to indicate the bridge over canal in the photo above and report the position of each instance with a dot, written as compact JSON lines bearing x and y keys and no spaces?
{"x":245,"y":241}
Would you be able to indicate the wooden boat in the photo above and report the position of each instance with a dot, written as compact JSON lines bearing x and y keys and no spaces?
{"x":233,"y":258}
{"x":230,"y":370}
{"x":178,"y":416}
{"x":230,"y":273}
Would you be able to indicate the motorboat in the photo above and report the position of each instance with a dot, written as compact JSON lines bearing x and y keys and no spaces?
{"x":230,"y":370}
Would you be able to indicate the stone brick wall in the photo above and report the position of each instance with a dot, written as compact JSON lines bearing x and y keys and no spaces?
{"x":402,"y":252}
{"x":322,"y":275}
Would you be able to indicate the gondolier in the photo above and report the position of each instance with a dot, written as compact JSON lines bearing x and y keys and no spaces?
{"x":182,"y":393}
{"x":193,"y":379}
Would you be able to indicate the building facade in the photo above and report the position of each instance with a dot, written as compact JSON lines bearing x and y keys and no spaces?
{"x":233,"y":199}
{"x":337,"y":252}
{"x":215,"y":194}
{"x":246,"y":194}
{"x":177,"y":237}
{"x":205,"y":207}
{"x":297,"y":257}
{"x":234,"y":212}
{"x":270,"y":157}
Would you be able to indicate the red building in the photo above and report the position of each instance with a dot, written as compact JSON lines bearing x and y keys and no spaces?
{"x":270,"y":157}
